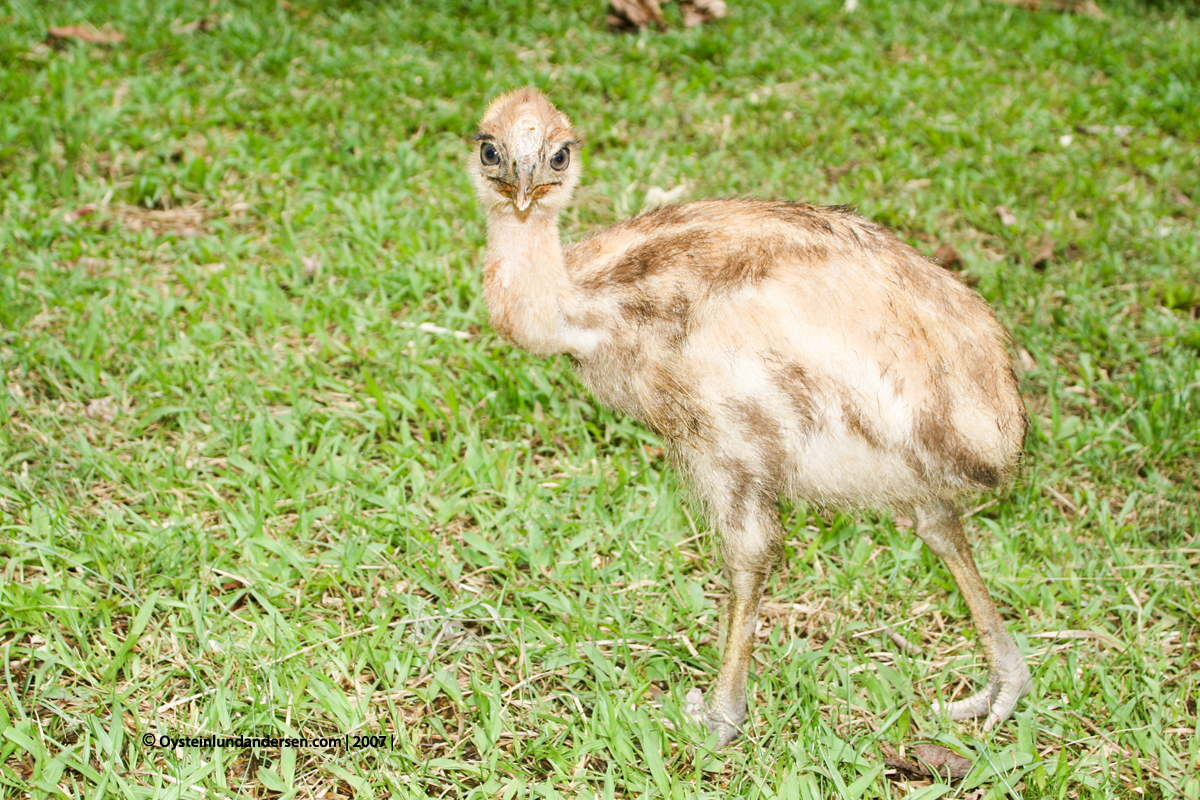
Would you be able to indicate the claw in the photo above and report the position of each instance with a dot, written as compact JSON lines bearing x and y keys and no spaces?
{"x":995,"y":701}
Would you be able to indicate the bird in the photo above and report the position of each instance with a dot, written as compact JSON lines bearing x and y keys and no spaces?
{"x":779,"y":350}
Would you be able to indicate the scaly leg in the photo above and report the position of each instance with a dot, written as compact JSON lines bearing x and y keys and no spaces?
{"x":939,"y":527}
{"x":750,"y":536}
{"x":726,"y":708}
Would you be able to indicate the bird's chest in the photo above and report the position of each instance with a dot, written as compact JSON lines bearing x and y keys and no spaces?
{"x":640,"y":377}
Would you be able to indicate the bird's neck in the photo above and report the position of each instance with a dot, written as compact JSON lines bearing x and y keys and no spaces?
{"x":528,"y":292}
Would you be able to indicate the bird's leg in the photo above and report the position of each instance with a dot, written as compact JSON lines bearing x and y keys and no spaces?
{"x":939,"y":527}
{"x":749,"y":546}
{"x":725,"y":710}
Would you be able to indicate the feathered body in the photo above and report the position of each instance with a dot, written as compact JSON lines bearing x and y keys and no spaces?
{"x":779,"y":349}
{"x":816,"y":354}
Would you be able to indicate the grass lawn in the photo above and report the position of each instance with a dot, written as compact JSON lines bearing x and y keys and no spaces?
{"x":265,"y":471}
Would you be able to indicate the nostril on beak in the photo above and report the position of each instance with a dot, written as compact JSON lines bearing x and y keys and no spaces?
{"x":524,"y":193}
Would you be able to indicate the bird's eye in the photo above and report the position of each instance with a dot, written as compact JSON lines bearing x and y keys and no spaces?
{"x":488,"y":154}
{"x":560,"y":159}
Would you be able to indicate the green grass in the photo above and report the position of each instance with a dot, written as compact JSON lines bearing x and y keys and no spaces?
{"x":242,"y":493}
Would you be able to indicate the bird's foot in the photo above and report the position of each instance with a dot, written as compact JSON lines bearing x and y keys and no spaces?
{"x":723,"y":724}
{"x":995,"y":701}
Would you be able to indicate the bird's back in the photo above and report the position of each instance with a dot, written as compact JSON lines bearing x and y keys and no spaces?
{"x":876,"y":374}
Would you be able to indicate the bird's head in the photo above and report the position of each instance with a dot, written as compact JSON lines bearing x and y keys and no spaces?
{"x":525,"y":155}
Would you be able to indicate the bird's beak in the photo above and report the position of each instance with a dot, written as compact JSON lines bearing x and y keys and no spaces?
{"x":524,"y":194}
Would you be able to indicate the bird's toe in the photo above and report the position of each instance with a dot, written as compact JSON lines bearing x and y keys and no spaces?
{"x":694,"y":706}
{"x":723,"y":723}
{"x":996,"y":701}
{"x":977,"y":705}
{"x":1005,"y":702}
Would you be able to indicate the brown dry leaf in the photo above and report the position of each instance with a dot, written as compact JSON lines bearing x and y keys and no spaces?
{"x":697,"y":12}
{"x":86,"y":210}
{"x":947,"y":763}
{"x":84,"y":33}
{"x":634,"y":15}
{"x":196,"y":26}
{"x":1044,"y":255}
{"x":1087,"y":8}
{"x":948,"y":257}
{"x":934,"y":760}
{"x":1007,"y":218}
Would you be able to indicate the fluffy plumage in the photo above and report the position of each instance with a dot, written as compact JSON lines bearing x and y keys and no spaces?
{"x":779,"y":349}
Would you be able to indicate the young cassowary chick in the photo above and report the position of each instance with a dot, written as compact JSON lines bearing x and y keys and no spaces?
{"x":778,"y":349}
